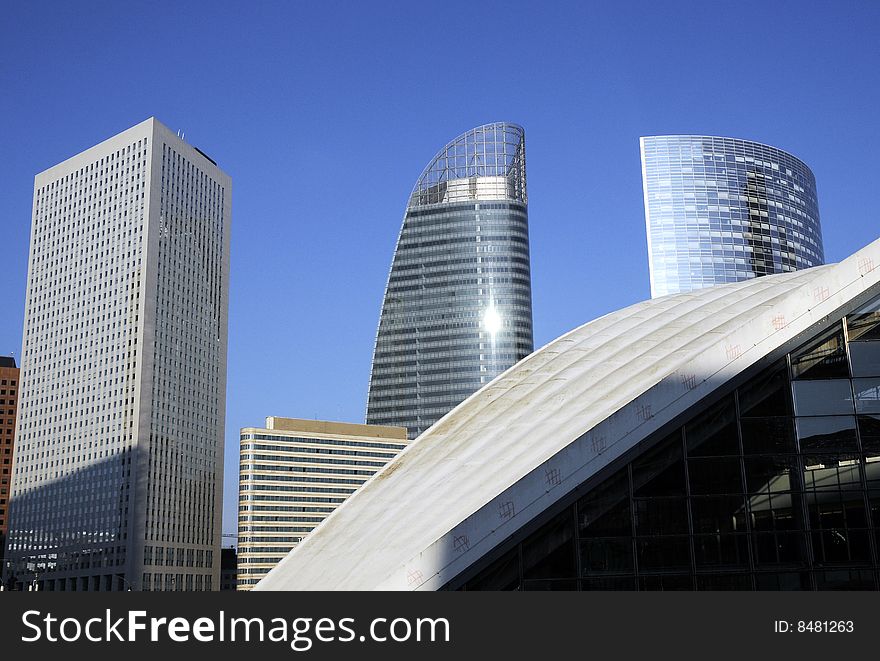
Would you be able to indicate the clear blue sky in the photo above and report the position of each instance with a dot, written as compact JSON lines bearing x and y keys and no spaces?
{"x":324,"y":113}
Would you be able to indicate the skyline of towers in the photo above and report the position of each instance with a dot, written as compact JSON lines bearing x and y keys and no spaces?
{"x":118,"y":475}
{"x":721,"y":210}
{"x":457,"y":309}
{"x":456,"y":313}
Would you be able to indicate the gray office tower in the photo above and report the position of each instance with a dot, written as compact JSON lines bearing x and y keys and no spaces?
{"x":117,"y":482}
{"x":458,"y":306}
{"x":724,"y":210}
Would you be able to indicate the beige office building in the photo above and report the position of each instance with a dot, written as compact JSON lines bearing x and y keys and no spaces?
{"x":294,"y":473}
{"x":117,"y":479}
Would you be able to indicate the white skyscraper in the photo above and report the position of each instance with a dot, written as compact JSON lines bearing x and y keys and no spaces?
{"x":118,"y":474}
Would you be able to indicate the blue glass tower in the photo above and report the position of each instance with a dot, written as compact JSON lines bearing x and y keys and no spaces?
{"x":458,"y":305}
{"x":723,"y":210}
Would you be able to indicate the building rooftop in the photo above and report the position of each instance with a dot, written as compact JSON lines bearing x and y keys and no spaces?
{"x":525,"y":440}
{"x":326,"y":427}
{"x":494,"y":150}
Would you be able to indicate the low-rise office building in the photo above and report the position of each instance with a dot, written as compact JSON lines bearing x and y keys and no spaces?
{"x":294,"y":473}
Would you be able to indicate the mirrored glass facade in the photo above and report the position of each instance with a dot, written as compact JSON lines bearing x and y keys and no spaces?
{"x":457,"y":309}
{"x":774,"y":486}
{"x":723,"y":210}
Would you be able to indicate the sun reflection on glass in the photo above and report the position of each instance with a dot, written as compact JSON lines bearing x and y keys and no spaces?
{"x":491,"y":319}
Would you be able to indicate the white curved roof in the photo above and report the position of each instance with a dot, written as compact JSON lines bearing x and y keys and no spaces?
{"x":530,"y":436}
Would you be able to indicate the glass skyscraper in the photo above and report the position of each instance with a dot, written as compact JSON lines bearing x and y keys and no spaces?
{"x":458,"y":307}
{"x":724,"y":210}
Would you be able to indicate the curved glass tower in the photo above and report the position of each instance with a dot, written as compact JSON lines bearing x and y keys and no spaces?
{"x":723,"y":210}
{"x":458,"y":305}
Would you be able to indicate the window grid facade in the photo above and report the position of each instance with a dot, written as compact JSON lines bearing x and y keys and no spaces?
{"x":723,"y":210}
{"x":774,"y":487}
{"x":123,"y":364}
{"x":457,"y":309}
{"x":9,"y":378}
{"x":293,"y":474}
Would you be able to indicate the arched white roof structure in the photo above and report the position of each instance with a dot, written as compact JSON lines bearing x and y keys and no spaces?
{"x":528,"y":438}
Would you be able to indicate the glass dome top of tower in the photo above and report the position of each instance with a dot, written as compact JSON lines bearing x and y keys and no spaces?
{"x":487,"y":162}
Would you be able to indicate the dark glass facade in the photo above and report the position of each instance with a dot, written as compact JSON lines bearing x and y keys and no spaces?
{"x":9,"y":379}
{"x":457,"y":309}
{"x":774,"y":486}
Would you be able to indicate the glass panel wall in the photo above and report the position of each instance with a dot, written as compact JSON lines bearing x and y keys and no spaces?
{"x":775,"y":487}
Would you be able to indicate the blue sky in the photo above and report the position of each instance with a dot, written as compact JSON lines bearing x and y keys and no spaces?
{"x":324,"y":113}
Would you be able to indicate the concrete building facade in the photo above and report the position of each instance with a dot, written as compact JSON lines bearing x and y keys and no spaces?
{"x":294,"y":474}
{"x":118,"y":479}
